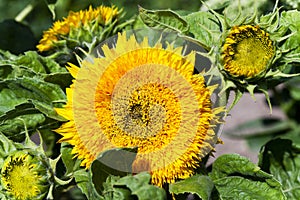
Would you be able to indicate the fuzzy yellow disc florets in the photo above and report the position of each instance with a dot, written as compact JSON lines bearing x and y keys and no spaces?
{"x":247,"y":51}
{"x":24,"y":176}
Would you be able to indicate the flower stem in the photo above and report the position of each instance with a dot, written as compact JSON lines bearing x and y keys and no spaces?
{"x":22,"y":15}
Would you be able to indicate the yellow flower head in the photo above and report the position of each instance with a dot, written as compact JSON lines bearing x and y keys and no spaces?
{"x":136,"y":95}
{"x":78,"y":26}
{"x":247,"y":51}
{"x":24,"y":176}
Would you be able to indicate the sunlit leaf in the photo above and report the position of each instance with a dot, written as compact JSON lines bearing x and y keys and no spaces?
{"x":236,"y":177}
{"x":164,"y":19}
{"x":197,"y":184}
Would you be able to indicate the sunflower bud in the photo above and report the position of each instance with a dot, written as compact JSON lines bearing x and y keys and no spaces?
{"x":25,"y":175}
{"x":84,"y":29}
{"x":247,"y":52}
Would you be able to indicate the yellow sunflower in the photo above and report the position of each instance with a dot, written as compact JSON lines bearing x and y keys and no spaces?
{"x":247,"y":51}
{"x":24,"y":176}
{"x":136,"y":95}
{"x":78,"y":27}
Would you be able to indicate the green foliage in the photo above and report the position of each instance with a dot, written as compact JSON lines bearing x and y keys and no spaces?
{"x":281,"y":158}
{"x":116,"y":162}
{"x":27,"y":100}
{"x":198,"y":184}
{"x":164,"y":19}
{"x":235,"y":177}
{"x":32,"y":85}
{"x":130,"y":187}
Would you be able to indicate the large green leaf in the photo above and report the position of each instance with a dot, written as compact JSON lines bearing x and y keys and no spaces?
{"x":236,"y":177}
{"x":14,"y":123}
{"x":71,"y":164}
{"x":280,"y":158}
{"x":204,"y":27}
{"x":197,"y":184}
{"x":164,"y":19}
{"x":28,"y":102}
{"x":21,"y":90}
{"x":30,"y":64}
{"x":291,"y":19}
{"x":83,"y":180}
{"x":6,"y":146}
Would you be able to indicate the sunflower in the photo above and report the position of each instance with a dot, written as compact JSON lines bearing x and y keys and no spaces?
{"x":84,"y":28}
{"x":251,"y":55}
{"x":136,"y":95}
{"x":247,"y":51}
{"x":24,"y":176}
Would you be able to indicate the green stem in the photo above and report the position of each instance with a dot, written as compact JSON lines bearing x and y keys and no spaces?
{"x":22,"y":15}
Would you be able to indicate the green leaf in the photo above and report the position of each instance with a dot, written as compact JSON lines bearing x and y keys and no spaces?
{"x":139,"y":186}
{"x":63,"y":79}
{"x":116,"y":162}
{"x":71,"y":164}
{"x":282,"y":159}
{"x":291,"y":19}
{"x":33,"y":89}
{"x":119,"y":193}
{"x":9,"y":100}
{"x":236,"y":177}
{"x":51,"y":5}
{"x":38,"y":63}
{"x":163,"y":19}
{"x":83,"y":180}
{"x":13,"y":123}
{"x":132,"y":187}
{"x":31,"y":64}
{"x":205,"y":28}
{"x":197,"y":184}
{"x":6,"y":146}
{"x":244,"y":189}
{"x":47,"y":110}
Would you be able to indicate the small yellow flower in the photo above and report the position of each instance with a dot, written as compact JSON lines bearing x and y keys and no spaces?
{"x":87,"y":21}
{"x":247,"y":51}
{"x":24,"y":176}
{"x":142,"y":96}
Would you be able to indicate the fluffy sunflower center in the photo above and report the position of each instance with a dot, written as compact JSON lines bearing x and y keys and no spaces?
{"x":247,"y":51}
{"x":20,"y":178}
{"x":146,"y":113}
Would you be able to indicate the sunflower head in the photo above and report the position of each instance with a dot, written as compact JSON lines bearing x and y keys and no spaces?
{"x":25,"y":175}
{"x":247,"y":52}
{"x":85,"y":29}
{"x":250,"y":53}
{"x":145,"y":96}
